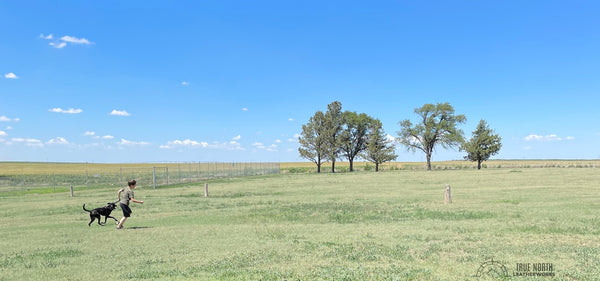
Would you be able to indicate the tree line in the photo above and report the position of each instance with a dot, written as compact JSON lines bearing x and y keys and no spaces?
{"x":338,"y":134}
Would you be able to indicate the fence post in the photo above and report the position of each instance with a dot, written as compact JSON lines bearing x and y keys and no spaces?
{"x":154,"y":177}
{"x":447,"y":196}
{"x":206,"y":189}
{"x":71,"y":190}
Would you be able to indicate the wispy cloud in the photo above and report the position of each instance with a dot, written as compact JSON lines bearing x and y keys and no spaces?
{"x":28,"y":142}
{"x":58,"y":140}
{"x":551,"y":137}
{"x":67,"y":111}
{"x":63,"y":41}
{"x":238,"y":137}
{"x":6,"y":119}
{"x":291,"y":119}
{"x":3,"y":134}
{"x":75,"y":40}
{"x":119,"y":113}
{"x":184,"y":143}
{"x":58,"y":45}
{"x":11,"y":75}
{"x":185,"y":83}
{"x":132,"y":143}
{"x":245,"y":109}
{"x":93,"y":135}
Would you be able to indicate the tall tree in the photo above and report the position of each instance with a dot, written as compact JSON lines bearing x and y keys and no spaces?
{"x":353,"y":138}
{"x":379,"y":149}
{"x":312,"y":140}
{"x":482,"y":145}
{"x":332,"y":129}
{"x":437,"y":126}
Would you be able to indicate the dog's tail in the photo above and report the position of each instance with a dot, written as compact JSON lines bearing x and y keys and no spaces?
{"x":86,"y":209}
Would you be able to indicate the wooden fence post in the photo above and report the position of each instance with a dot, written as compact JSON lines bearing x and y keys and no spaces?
{"x":447,"y":196}
{"x":71,"y":190}
{"x":205,"y":189}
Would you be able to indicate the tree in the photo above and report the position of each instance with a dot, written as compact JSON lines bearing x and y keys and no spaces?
{"x":379,"y":149}
{"x":312,"y":140}
{"x":332,"y":129}
{"x":437,"y":126}
{"x":482,"y":145}
{"x":353,"y":138}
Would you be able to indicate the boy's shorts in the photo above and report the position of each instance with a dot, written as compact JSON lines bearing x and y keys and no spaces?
{"x":126,"y":210}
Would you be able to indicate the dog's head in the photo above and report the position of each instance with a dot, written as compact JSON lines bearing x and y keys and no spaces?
{"x":111,"y":206}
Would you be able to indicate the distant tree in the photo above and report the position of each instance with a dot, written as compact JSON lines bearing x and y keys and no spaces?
{"x":437,"y":126}
{"x":379,"y":149}
{"x":312,"y":140}
{"x":332,"y":129}
{"x":482,"y":145}
{"x":353,"y":139}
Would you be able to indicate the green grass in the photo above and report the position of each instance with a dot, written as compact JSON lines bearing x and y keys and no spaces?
{"x":391,"y":225}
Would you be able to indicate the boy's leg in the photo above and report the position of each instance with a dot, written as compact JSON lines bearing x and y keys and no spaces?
{"x":120,"y":224}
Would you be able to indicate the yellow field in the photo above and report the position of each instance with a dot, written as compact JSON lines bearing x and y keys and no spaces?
{"x":455,"y":164}
{"x":37,"y":168}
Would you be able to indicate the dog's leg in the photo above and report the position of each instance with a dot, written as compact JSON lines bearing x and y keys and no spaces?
{"x":112,"y":218}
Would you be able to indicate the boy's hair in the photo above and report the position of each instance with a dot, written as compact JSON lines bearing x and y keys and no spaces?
{"x":131,"y":182}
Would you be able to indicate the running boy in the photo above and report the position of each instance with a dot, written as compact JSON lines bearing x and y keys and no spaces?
{"x":126,"y":195}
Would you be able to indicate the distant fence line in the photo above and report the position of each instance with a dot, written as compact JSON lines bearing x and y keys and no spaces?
{"x":146,"y":175}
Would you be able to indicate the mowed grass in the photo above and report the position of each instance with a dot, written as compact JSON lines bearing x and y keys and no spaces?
{"x":391,"y":225}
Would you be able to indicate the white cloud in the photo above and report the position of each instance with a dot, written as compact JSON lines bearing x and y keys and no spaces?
{"x":244,"y":109}
{"x":552,"y":137}
{"x":47,"y":37}
{"x":119,"y":113}
{"x":184,"y":143}
{"x":277,"y":141}
{"x":185,"y":83}
{"x":3,"y":134}
{"x":570,"y":138}
{"x":89,"y":133}
{"x":58,"y":45}
{"x":11,"y":75}
{"x":238,"y":137}
{"x":67,"y":111}
{"x":391,"y":138}
{"x":6,"y":119}
{"x":107,"y":137}
{"x":291,"y":119}
{"x":75,"y":40}
{"x":131,"y":143}
{"x":57,"y":140}
{"x":28,"y":142}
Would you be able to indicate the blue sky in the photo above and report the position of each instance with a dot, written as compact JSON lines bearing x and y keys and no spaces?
{"x":139,"y":81}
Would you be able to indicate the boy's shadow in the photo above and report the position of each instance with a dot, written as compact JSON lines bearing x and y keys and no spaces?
{"x":139,"y":227}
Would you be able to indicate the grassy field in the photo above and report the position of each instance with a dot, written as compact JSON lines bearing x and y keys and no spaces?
{"x":391,"y":225}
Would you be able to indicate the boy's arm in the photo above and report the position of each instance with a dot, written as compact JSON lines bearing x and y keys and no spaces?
{"x":137,"y":201}
{"x":119,"y":195}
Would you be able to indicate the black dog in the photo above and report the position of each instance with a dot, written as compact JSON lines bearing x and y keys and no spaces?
{"x":103,"y":211}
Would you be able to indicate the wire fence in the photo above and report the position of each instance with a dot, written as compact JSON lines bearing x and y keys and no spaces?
{"x":58,"y":177}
